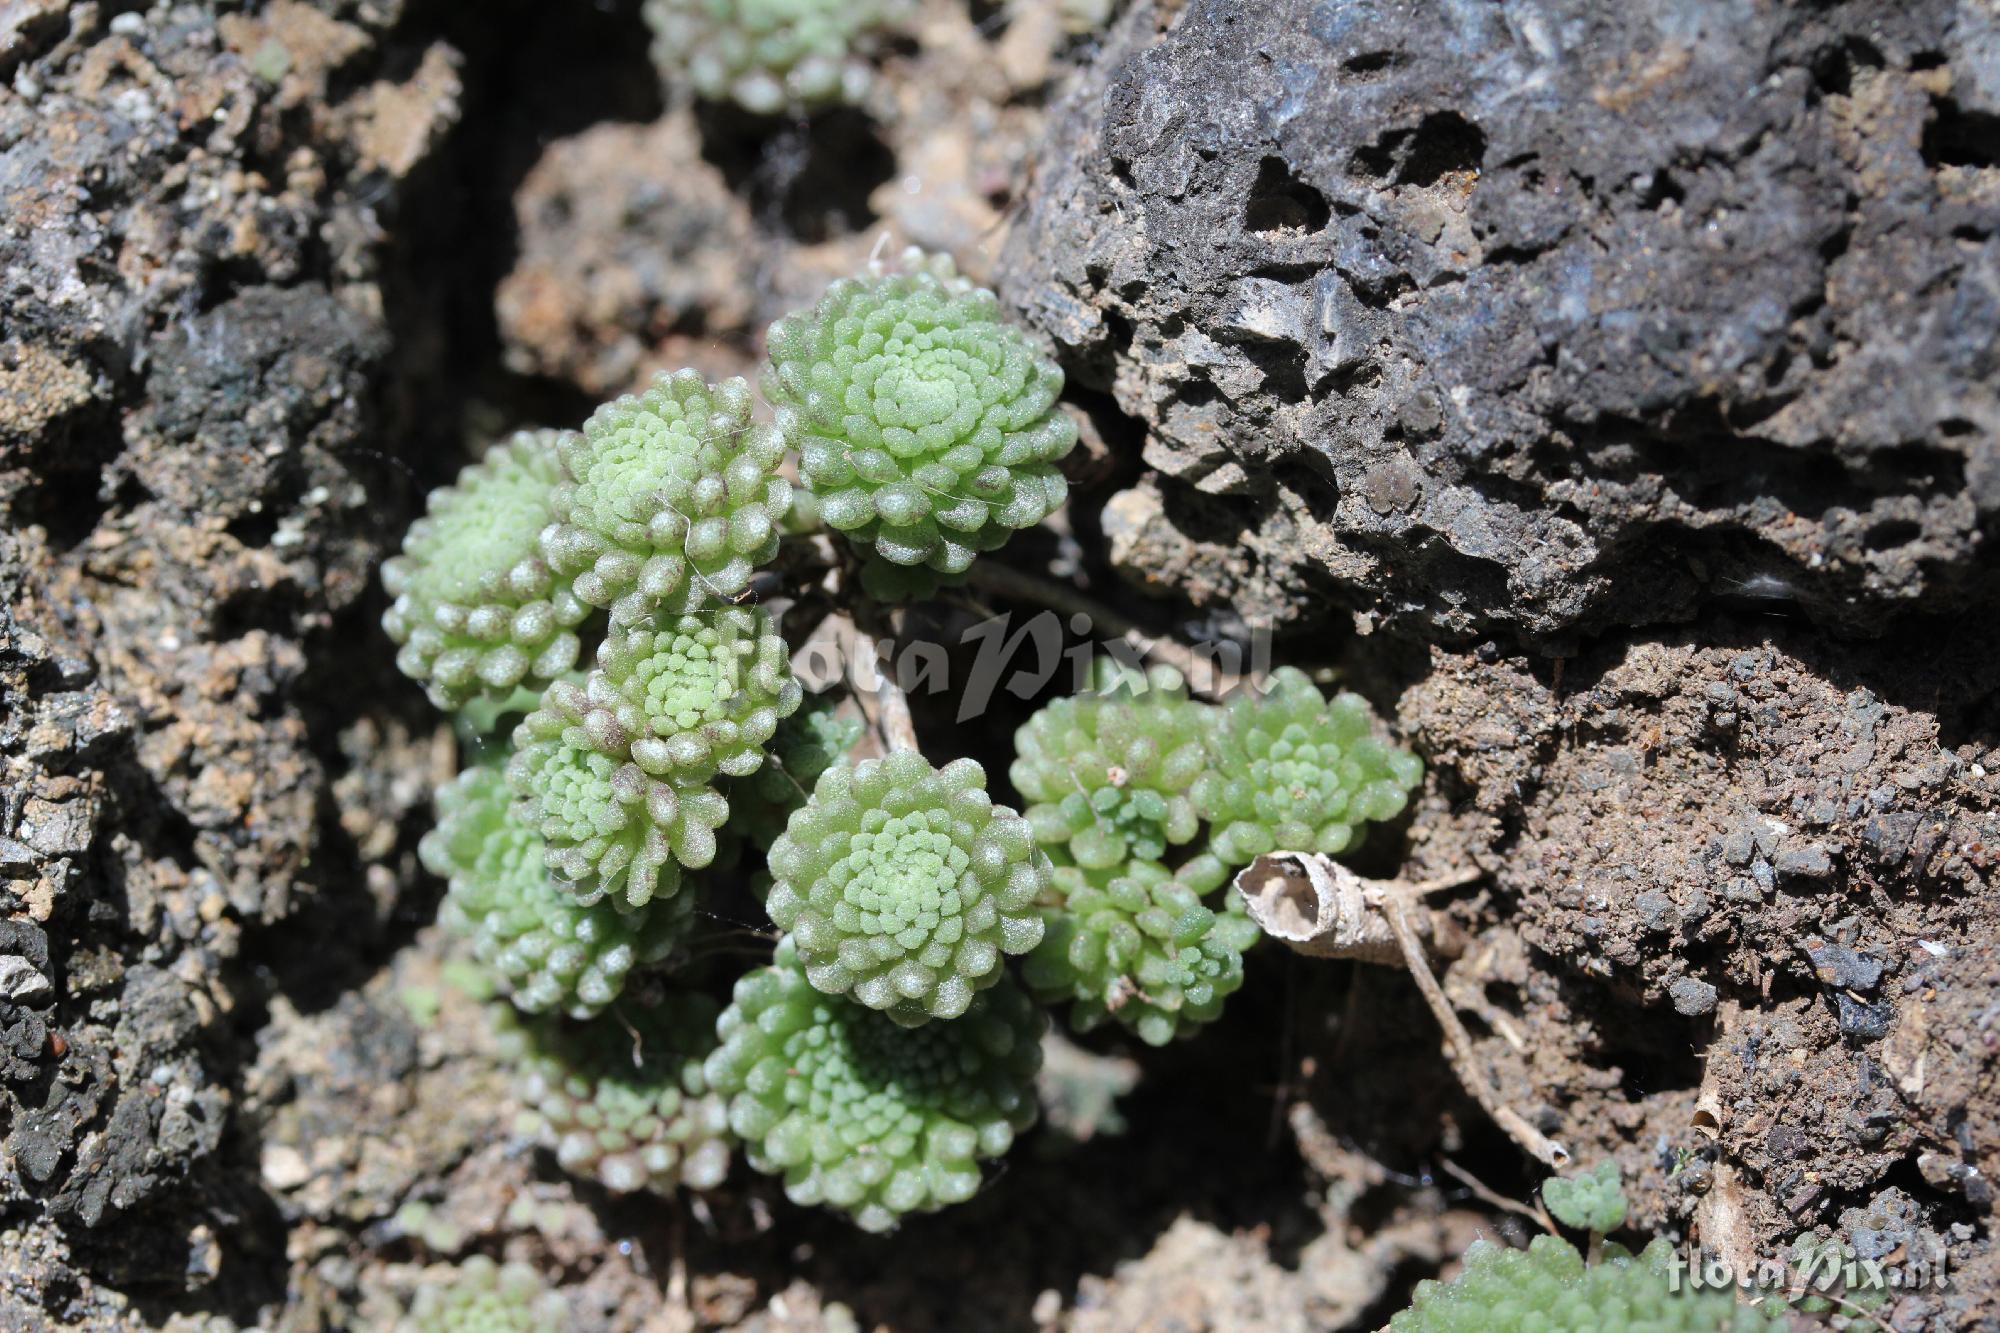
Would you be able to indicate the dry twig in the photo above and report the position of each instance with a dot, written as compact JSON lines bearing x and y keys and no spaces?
{"x":892,"y":719}
{"x":1321,"y":908}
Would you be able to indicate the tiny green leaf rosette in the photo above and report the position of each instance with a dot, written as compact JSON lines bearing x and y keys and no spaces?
{"x":1292,"y":770}
{"x":1135,"y":946}
{"x":477,"y":612}
{"x":625,"y":1100}
{"x":670,"y":499}
{"x":927,"y":425}
{"x":544,"y":949}
{"x":1592,"y":1200}
{"x":858,"y":1113}
{"x":1548,"y":1288}
{"x":904,"y":885}
{"x":768,"y":56}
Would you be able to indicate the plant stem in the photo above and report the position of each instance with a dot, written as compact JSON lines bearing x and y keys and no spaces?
{"x":893,"y":722}
{"x":1458,"y":1045}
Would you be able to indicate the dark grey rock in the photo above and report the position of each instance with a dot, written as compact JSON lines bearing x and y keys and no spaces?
{"x":1656,"y":909}
{"x":1838,"y":965}
{"x":1808,"y":862}
{"x":196,"y":480}
{"x":1863,"y":1021}
{"x":1692,"y":998}
{"x":1475,"y":318}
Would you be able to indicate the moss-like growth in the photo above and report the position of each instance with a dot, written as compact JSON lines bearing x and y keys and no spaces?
{"x":1592,"y":1200}
{"x":480,"y":1296}
{"x":926,"y":425}
{"x":861,"y":1114}
{"x":477,"y":610}
{"x":1106,"y":774}
{"x":770,"y":55}
{"x":1291,"y":769}
{"x":1548,"y":1288}
{"x":624,"y":1100}
{"x":1135,"y":945}
{"x":545,"y":949}
{"x":670,"y":499}
{"x":695,"y":696}
{"x":903,"y":885}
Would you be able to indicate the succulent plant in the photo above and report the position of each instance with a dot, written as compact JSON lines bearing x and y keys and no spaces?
{"x":927,"y":426}
{"x":1291,"y":769}
{"x":624,"y":1099}
{"x":859,"y":1113}
{"x":808,"y":743}
{"x":1134,"y":945}
{"x":690,"y":697}
{"x":607,"y":827}
{"x":1548,"y":1288}
{"x":1106,"y":773}
{"x":903,"y":885}
{"x":477,"y":610}
{"x":480,"y":1296}
{"x":1592,"y":1200}
{"x":670,"y":499}
{"x":545,"y":949}
{"x":767,"y":55}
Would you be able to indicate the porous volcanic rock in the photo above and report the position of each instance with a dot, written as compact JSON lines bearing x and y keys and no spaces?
{"x":1530,"y":321}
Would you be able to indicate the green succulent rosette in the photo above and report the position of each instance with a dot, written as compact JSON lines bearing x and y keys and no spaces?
{"x":609,"y":829}
{"x":904,"y":885}
{"x":545,"y":950}
{"x":624,"y":1100}
{"x":476,"y":610}
{"x":481,"y":1296}
{"x":1548,"y":1288}
{"x":1591,"y":1200}
{"x":1106,"y":774}
{"x":692,"y":696}
{"x":1135,"y":946}
{"x":670,"y":499}
{"x":771,"y":55}
{"x":1293,"y":770}
{"x":861,"y":1114}
{"x":927,"y":425}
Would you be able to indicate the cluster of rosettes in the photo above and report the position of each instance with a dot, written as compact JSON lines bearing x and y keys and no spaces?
{"x":1291,"y":769}
{"x":1106,"y":774}
{"x":544,"y":948}
{"x":770,"y":55}
{"x":1139,"y":947}
{"x":903,"y":885}
{"x":860,"y":1114}
{"x":484,"y":1297}
{"x":477,"y":610}
{"x":670,"y":499}
{"x":927,"y":426}
{"x":631,"y":1107}
{"x":1548,"y":1288}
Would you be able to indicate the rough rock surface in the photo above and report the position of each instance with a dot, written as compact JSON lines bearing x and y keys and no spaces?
{"x":1537,"y":319}
{"x":629,"y":237}
{"x":190,"y":502}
